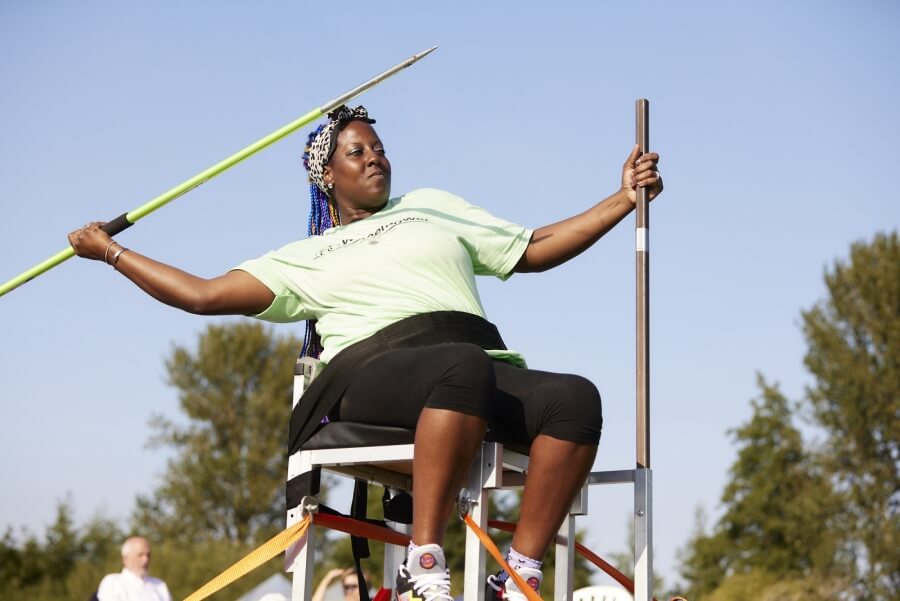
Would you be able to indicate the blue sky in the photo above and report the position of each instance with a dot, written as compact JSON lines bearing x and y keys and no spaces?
{"x":776,"y":123}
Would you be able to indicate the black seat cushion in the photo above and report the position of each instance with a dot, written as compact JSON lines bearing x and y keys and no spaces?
{"x":339,"y":435}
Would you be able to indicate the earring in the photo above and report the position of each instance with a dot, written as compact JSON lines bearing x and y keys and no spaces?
{"x":330,"y":186}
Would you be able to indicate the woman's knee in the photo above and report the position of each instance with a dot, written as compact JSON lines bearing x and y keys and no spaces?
{"x":576,"y":409}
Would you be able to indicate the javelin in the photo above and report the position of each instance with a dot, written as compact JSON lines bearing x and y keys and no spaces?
{"x":126,"y":220}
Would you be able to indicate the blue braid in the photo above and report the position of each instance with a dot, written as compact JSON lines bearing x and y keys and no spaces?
{"x":321,"y":218}
{"x":323,"y":212}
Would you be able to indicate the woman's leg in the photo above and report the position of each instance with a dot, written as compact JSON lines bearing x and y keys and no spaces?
{"x":445,"y":392}
{"x":561,"y":416}
{"x":446,"y":444}
{"x":556,"y":472}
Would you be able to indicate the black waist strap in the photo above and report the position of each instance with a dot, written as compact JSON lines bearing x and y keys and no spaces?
{"x":419,"y":330}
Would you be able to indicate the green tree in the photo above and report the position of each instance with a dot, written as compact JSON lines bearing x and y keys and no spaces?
{"x":62,"y":548}
{"x":703,"y":557}
{"x":778,"y":523}
{"x":853,"y":339}
{"x":226,"y":481}
{"x":761,"y":586}
{"x":10,"y":561}
{"x":67,"y":564}
{"x":222,"y":494}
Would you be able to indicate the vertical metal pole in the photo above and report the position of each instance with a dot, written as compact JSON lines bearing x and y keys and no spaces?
{"x":643,"y":483}
{"x":393,"y":554}
{"x":642,"y":248}
{"x":564,"y":571}
{"x":475,"y":553}
{"x":565,"y":548}
{"x":643,"y":534}
{"x":303,"y":584}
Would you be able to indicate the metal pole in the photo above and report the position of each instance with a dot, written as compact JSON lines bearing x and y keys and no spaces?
{"x":643,"y":534}
{"x":643,"y":480}
{"x":642,"y":255}
{"x":126,"y":220}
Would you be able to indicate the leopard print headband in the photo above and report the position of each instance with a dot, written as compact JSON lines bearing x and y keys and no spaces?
{"x":323,"y":140}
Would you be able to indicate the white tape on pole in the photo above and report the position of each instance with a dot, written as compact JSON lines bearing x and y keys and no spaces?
{"x":642,"y":239}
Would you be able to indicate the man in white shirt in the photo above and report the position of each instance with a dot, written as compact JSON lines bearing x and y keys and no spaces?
{"x":133,"y":583}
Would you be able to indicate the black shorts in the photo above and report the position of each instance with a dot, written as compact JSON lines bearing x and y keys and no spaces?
{"x":518,"y":403}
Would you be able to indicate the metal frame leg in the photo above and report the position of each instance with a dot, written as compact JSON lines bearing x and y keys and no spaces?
{"x":564,"y":574}
{"x":300,"y":557}
{"x":302,"y":586}
{"x":482,"y":474}
{"x":643,"y":534}
{"x":394,"y":554}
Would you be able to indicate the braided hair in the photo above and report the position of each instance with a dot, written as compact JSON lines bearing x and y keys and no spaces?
{"x":323,"y":211}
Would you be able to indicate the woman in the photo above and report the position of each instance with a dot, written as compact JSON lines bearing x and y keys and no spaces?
{"x":390,"y":283}
{"x":349,"y":584}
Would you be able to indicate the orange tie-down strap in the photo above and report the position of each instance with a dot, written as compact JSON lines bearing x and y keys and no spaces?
{"x":269,"y":549}
{"x":529,"y":592}
{"x":278,"y":543}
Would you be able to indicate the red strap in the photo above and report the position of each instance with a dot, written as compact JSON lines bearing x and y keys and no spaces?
{"x":359,"y":528}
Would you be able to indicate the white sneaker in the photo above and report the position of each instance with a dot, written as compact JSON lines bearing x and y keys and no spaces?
{"x":498,"y":591}
{"x":424,"y":576}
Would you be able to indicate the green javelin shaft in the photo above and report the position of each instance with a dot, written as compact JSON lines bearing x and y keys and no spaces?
{"x":126,"y":220}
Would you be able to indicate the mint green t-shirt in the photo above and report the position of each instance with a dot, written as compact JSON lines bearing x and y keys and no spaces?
{"x":419,"y":254}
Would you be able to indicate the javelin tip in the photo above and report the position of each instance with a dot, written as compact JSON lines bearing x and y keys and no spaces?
{"x":415,"y":57}
{"x":343,"y":98}
{"x":425,"y":53}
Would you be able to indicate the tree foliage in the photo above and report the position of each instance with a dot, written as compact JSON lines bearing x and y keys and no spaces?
{"x":820,"y":522}
{"x":226,"y":481}
{"x":67,"y":564}
{"x":779,"y":510}
{"x":760,"y":585}
{"x":854,"y":354}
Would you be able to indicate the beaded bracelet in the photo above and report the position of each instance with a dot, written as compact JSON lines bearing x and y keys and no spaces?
{"x":106,"y":252}
{"x":115,"y":257}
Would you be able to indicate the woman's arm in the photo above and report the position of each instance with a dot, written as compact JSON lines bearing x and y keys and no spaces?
{"x":234,"y":293}
{"x":555,"y":244}
{"x":327,"y":581}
